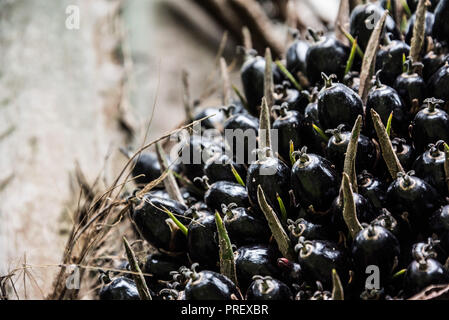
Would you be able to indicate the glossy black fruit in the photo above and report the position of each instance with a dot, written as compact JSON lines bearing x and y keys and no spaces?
{"x":252,"y":74}
{"x":296,"y":56}
{"x":430,"y":19}
{"x":241,"y":132}
{"x":243,"y":228}
{"x":385,"y":100}
{"x":146,"y":168}
{"x":338,"y":104}
{"x":387,"y":221}
{"x":314,"y":181}
{"x":202,"y":242}
{"x":327,"y":55}
{"x":120,"y":289}
{"x":215,"y":119}
{"x":423,"y":273}
{"x":430,"y":167}
{"x":363,"y":20}
{"x":431,"y":124}
{"x":364,"y":209}
{"x":411,"y":87}
{"x":160,"y":265}
{"x":155,"y":225}
{"x":290,"y":126}
{"x":415,"y":197}
{"x":338,"y":145}
{"x":225,"y":192}
{"x":441,"y":24}
{"x":296,"y":100}
{"x":317,"y":259}
{"x":267,"y":288}
{"x":439,"y":225}
{"x":196,"y":152}
{"x":309,"y":231}
{"x":372,"y":189}
{"x":404,"y":151}
{"x":433,"y":61}
{"x":377,"y":246}
{"x":219,"y":168}
{"x":290,"y":270}
{"x":255,"y":260}
{"x":389,"y":60}
{"x":424,"y":250}
{"x":413,"y":4}
{"x":439,"y":83}
{"x":273,"y":176}
{"x":209,"y":285}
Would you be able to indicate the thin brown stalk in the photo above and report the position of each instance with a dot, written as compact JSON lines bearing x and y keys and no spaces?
{"x":279,"y":234}
{"x":369,"y":60}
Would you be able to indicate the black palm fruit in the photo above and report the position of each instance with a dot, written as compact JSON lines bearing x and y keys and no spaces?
{"x":155,"y":225}
{"x":425,"y":250}
{"x":209,"y":285}
{"x":309,"y":230}
{"x":423,"y":273}
{"x":267,"y":288}
{"x":315,"y":182}
{"x":387,"y":221}
{"x":365,"y":212}
{"x":225,"y":192}
{"x":219,"y":168}
{"x":389,"y":60}
{"x":196,"y":152}
{"x":215,"y":119}
{"x":244,"y":228}
{"x":120,"y":289}
{"x":373,"y":189}
{"x":441,"y":24}
{"x":430,"y":124}
{"x":241,"y":132}
{"x":433,"y":61}
{"x":338,"y":104}
{"x":314,"y":142}
{"x":411,"y":86}
{"x":439,"y":225}
{"x":415,"y":197}
{"x":296,"y":100}
{"x":255,"y":260}
{"x":252,"y":74}
{"x":404,"y":151}
{"x":160,"y":265}
{"x":413,"y":5}
{"x":296,"y":56}
{"x":290,"y":126}
{"x":273,"y":176}
{"x":311,"y":111}
{"x":430,"y":19}
{"x":363,"y":20}
{"x":146,"y":168}
{"x":385,"y":100}
{"x":389,"y":5}
{"x":202,"y":242}
{"x":327,"y":55}
{"x":430,"y":167}
{"x":377,"y":246}
{"x":338,"y":144}
{"x":317,"y":259}
{"x":439,"y":83}
{"x":291,"y":271}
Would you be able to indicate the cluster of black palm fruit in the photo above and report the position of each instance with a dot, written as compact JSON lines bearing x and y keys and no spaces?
{"x":404,"y":218}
